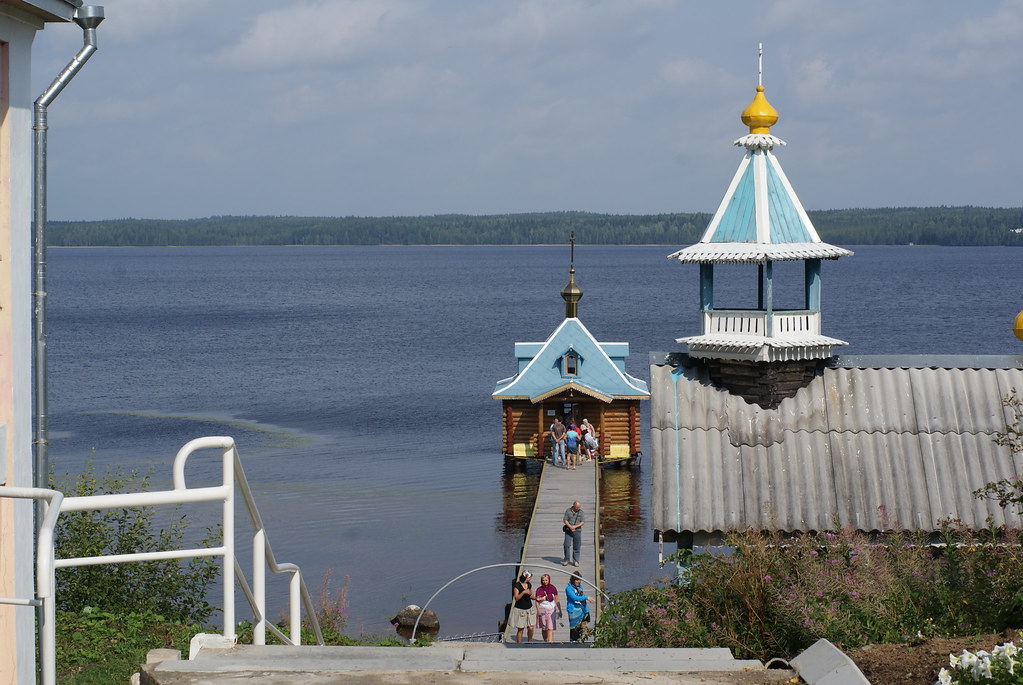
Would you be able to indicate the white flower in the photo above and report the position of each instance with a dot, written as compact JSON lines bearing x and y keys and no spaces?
{"x":969,"y":662}
{"x":944,"y":677}
{"x":983,"y":667}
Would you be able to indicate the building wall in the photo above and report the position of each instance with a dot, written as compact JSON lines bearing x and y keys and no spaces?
{"x":618,"y":423}
{"x":17,"y":30}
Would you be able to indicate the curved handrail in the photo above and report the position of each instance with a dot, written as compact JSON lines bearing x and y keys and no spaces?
{"x":263,"y":556}
{"x":235,"y":469}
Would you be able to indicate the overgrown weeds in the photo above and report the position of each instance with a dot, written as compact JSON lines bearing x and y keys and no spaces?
{"x":98,"y":647}
{"x":767,"y":596}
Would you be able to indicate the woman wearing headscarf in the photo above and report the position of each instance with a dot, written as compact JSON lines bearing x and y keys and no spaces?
{"x":548,"y":607}
{"x":576,"y":606}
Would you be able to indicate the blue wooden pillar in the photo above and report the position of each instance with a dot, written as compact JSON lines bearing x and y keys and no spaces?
{"x":769,"y":305}
{"x":812,"y":289}
{"x":706,"y":287}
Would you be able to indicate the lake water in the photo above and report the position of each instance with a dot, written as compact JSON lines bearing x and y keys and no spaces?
{"x":356,"y":382}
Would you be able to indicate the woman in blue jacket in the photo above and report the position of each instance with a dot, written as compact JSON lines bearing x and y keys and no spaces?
{"x":576,"y":606}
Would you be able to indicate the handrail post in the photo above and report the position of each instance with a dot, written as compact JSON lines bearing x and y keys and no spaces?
{"x":295,"y":596}
{"x":259,"y":585}
{"x":48,"y":641}
{"x":228,"y":565}
{"x":46,"y":589}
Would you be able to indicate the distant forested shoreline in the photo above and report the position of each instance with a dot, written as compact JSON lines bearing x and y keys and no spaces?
{"x":954,"y":226}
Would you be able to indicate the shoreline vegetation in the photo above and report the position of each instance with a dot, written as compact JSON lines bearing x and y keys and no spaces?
{"x":947,"y":226}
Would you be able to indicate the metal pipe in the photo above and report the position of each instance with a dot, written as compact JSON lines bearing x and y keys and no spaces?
{"x":88,"y":18}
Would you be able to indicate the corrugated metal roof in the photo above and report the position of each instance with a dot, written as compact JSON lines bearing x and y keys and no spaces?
{"x":864,"y":445}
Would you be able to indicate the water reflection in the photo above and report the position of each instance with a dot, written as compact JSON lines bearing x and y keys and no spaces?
{"x":520,"y":482}
{"x":620,"y":490}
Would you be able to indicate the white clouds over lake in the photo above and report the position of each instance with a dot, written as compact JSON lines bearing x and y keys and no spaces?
{"x":384,"y":107}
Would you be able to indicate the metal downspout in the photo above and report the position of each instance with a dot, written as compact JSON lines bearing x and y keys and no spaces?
{"x":88,"y":17}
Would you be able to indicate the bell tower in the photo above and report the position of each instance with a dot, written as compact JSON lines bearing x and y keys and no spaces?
{"x":765,"y":352}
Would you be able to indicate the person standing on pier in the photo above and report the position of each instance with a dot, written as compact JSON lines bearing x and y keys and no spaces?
{"x":574,"y":520}
{"x":523,"y":612}
{"x":558,"y":438}
{"x":548,"y":609}
{"x":578,"y":614}
{"x":589,"y":439}
{"x":572,"y":446}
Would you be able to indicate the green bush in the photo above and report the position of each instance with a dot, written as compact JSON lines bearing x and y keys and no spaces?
{"x":771,"y":596}
{"x":174,"y":589}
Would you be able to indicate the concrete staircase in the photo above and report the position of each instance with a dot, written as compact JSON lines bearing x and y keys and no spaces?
{"x":448,"y":663}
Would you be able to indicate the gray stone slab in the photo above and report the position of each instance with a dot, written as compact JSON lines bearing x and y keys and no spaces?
{"x":476,"y":678}
{"x":567,"y":659}
{"x":438,"y":665}
{"x":613,"y":665}
{"x":824,"y":664}
{"x":588,"y":655}
{"x":279,"y":658}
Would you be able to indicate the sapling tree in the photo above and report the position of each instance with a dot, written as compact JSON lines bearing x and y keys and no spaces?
{"x":1008,"y":491}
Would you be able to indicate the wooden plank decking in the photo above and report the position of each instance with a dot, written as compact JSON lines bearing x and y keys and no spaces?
{"x":544,"y":546}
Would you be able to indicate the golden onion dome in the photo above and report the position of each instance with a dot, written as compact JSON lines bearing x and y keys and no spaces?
{"x":759,"y":115}
{"x":571,"y":293}
{"x":1017,"y":328}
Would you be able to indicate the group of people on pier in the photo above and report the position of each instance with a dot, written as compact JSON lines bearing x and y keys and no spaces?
{"x":573,"y":442}
{"x":542,"y":607}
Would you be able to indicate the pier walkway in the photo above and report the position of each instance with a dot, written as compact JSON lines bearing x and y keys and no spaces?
{"x":544,"y":546}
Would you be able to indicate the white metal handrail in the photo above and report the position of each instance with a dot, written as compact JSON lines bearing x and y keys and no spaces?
{"x":44,"y":577}
{"x":262,"y":554}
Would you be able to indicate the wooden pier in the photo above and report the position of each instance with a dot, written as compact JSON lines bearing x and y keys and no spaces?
{"x":544,"y":546}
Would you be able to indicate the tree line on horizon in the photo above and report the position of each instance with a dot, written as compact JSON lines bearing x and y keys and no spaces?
{"x":953,"y":226}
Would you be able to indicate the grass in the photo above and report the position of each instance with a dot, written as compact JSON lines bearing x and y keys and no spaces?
{"x":100,"y":647}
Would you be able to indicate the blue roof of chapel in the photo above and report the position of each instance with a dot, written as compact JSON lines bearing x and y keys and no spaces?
{"x":600,"y":374}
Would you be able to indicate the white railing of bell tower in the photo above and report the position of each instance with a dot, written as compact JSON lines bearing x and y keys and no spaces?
{"x":262,"y":555}
{"x":744,"y":322}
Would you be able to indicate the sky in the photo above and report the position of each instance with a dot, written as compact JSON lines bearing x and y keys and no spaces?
{"x":194,"y":108}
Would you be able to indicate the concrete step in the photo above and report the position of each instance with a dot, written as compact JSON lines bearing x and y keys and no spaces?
{"x":447,"y":663}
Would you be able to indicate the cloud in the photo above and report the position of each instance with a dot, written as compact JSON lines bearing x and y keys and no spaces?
{"x":688,"y":72}
{"x":814,"y":79}
{"x":137,"y":21}
{"x":822,"y":19}
{"x":319,"y":33}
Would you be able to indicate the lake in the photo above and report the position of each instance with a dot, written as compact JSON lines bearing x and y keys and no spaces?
{"x":356,"y":382}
